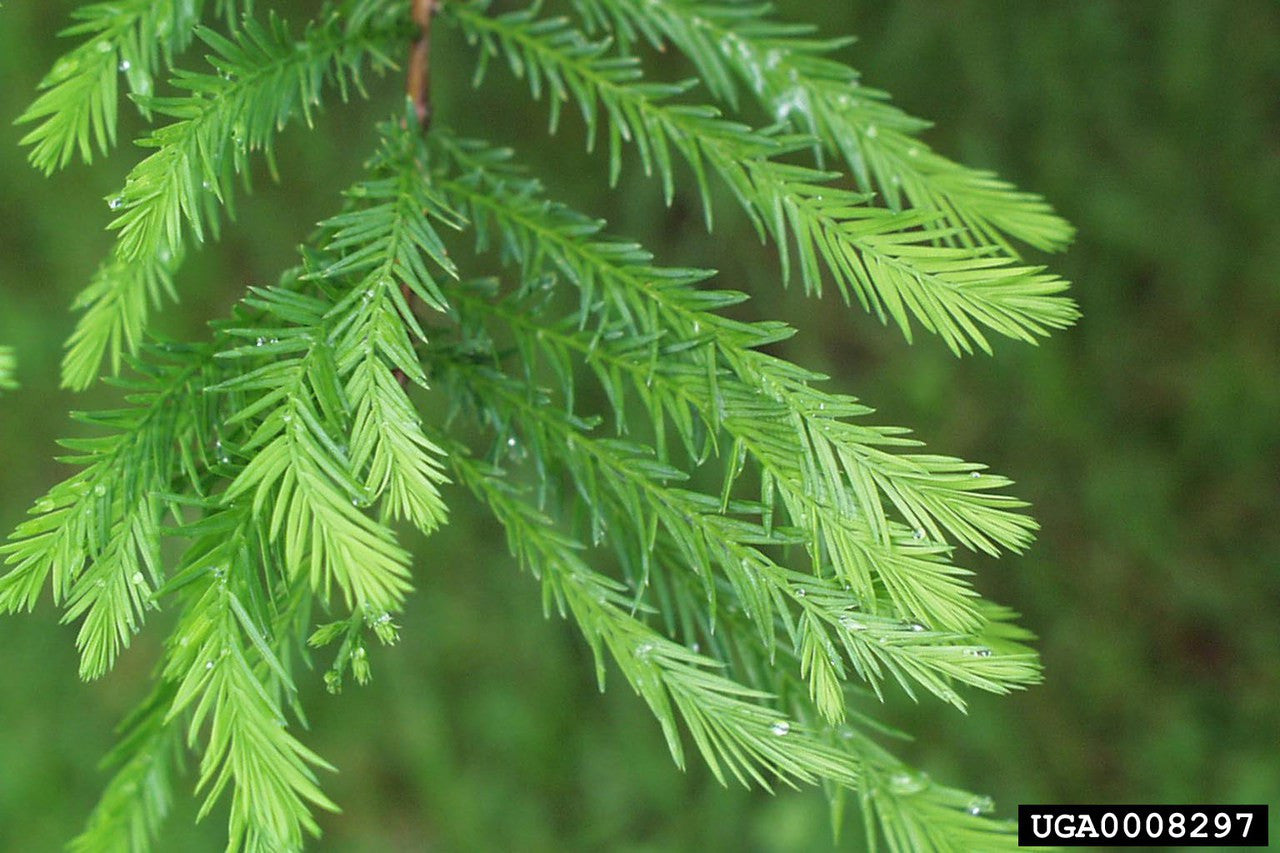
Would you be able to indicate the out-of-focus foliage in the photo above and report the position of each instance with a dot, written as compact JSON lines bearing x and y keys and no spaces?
{"x":8,"y":367}
{"x":1146,"y":438}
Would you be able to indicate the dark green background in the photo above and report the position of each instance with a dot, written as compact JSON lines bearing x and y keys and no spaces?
{"x":1147,"y":438}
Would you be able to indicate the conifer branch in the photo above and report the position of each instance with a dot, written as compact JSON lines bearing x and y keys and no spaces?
{"x":229,"y":679}
{"x":312,"y":455}
{"x":401,"y":464}
{"x":97,"y":533}
{"x":791,"y":73}
{"x":78,"y":107}
{"x":729,"y":725}
{"x":296,"y":471}
{"x":622,"y":484}
{"x":737,"y":734}
{"x":943,"y":496}
{"x":294,"y":443}
{"x":796,"y":433}
{"x":259,"y":84}
{"x":116,"y":307}
{"x":888,"y":261}
{"x":737,"y":644}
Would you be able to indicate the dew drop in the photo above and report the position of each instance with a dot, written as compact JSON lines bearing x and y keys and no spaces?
{"x":115,"y":203}
{"x":980,"y":805}
{"x":979,"y":652}
{"x":780,"y":728}
{"x":872,"y":131}
{"x":138,"y":579}
{"x":511,"y":442}
{"x":794,"y":101}
{"x":801,"y":592}
{"x":259,"y":342}
{"x":100,"y":490}
{"x":208,"y":665}
{"x":904,"y":782}
{"x":125,"y":65}
{"x":206,"y":185}
{"x":917,"y":627}
{"x":642,"y":650}
{"x":913,"y":151}
{"x":974,"y":475}
{"x":852,"y":624}
{"x":918,"y":534}
{"x":104,"y":46}
{"x":695,"y":648}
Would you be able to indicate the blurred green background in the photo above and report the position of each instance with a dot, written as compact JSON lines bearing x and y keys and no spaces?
{"x":1147,"y":438}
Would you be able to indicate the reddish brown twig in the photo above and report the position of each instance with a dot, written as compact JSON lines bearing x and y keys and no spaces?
{"x":418,"y":84}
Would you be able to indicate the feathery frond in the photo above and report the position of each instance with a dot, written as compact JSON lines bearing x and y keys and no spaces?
{"x":96,"y":534}
{"x":78,"y":107}
{"x":791,"y":72}
{"x":622,"y":485}
{"x":229,"y":678}
{"x":833,"y":477}
{"x":734,"y":729}
{"x":296,"y":470}
{"x":890,"y":262}
{"x":760,"y":560}
{"x":258,"y":84}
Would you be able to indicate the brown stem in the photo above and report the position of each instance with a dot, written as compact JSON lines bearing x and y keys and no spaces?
{"x":418,"y":84}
